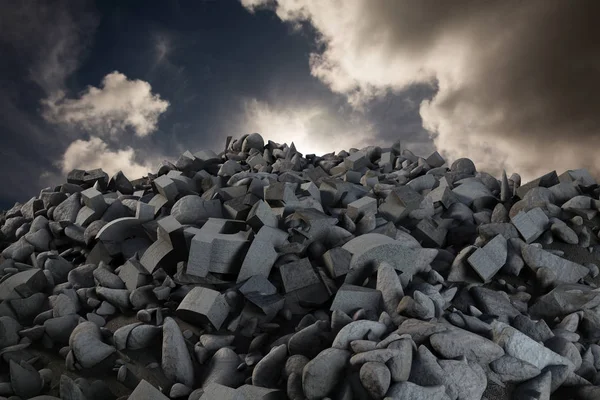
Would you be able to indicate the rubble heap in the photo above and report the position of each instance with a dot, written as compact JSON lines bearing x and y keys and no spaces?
{"x":260,"y":273}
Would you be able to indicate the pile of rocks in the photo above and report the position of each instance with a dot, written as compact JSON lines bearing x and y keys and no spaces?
{"x":260,"y":273}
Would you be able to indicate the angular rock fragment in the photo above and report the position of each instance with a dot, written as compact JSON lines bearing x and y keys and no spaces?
{"x":565,"y":270}
{"x":215,"y":249}
{"x":261,"y":254}
{"x":488,"y":260}
{"x":372,"y":248}
{"x":145,"y":391}
{"x":531,"y":224}
{"x":202,"y":305}
{"x":337,"y":261}
{"x":350,"y":298}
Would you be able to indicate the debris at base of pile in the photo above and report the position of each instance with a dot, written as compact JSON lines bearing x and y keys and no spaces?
{"x":261,"y":273}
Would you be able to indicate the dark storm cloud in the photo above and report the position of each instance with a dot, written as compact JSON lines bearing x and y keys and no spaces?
{"x":41,"y":43}
{"x":517,"y":81}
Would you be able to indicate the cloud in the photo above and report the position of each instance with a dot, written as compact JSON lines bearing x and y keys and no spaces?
{"x":118,"y":104}
{"x":517,"y":82}
{"x":95,"y":153}
{"x":313,"y":128}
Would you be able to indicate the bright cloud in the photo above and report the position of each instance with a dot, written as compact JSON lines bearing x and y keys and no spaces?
{"x":117,"y":105}
{"x":517,"y":82}
{"x":312,"y":128}
{"x":95,"y":153}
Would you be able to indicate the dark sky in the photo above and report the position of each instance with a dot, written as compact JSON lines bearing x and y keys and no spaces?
{"x":123,"y":85}
{"x":217,"y":65}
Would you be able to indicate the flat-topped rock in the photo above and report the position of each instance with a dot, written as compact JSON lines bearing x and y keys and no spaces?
{"x":203,"y":305}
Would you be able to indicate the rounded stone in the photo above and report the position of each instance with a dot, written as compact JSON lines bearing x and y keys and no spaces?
{"x":253,"y":141}
{"x":86,"y":343}
{"x":295,"y":364}
{"x":176,"y":361}
{"x":376,"y":378}
{"x":464,"y":165}
{"x":193,"y":210}
{"x":322,"y":373}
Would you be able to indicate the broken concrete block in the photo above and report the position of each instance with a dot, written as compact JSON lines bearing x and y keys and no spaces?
{"x":362,"y":206}
{"x":579,"y":175}
{"x":337,"y":261}
{"x":144,"y":212}
{"x":565,"y":270}
{"x":371,"y":249}
{"x":67,"y":210}
{"x":298,"y":274}
{"x":488,"y":260}
{"x":211,"y":249}
{"x":171,"y":231}
{"x":435,"y":160}
{"x":429,"y":233}
{"x":280,"y":191}
{"x":531,"y":224}
{"x":386,"y":162}
{"x":350,"y":298}
{"x":300,"y":301}
{"x":94,"y":200}
{"x":256,"y":161}
{"x":158,"y":201}
{"x":22,"y":283}
{"x":133,"y":274}
{"x":261,"y":254}
{"x":470,"y":189}
{"x":547,"y":180}
{"x":443,"y":195}
{"x":268,"y":304}
{"x":260,"y":215}
{"x":119,"y":229}
{"x":203,"y":305}
{"x":166,"y":187}
{"x":86,"y":216}
{"x":316,"y":224}
{"x":159,"y":254}
{"x":353,"y":176}
{"x":239,"y":207}
{"x":259,"y":284}
{"x":356,"y":161}
{"x":399,"y":203}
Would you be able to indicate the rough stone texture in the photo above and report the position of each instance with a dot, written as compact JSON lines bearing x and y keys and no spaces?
{"x":371,"y":249}
{"x":489,"y":259}
{"x":457,"y":343}
{"x":367,"y":273}
{"x":213,"y":250}
{"x":521,"y":346}
{"x":565,"y":270}
{"x":145,"y":391}
{"x":322,"y":373}
{"x":176,"y":361}
{"x":350,"y":298}
{"x":531,"y":224}
{"x":202,"y":305}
